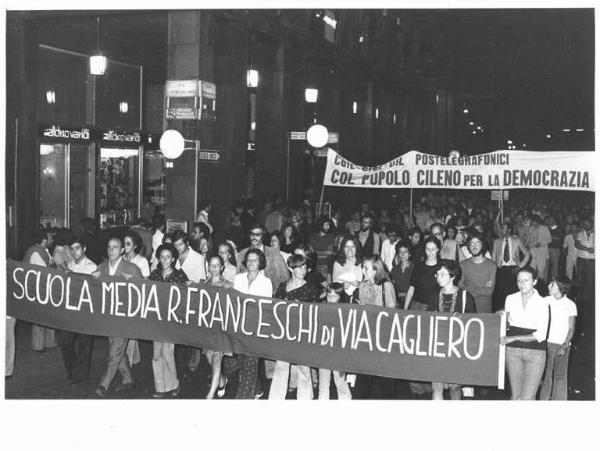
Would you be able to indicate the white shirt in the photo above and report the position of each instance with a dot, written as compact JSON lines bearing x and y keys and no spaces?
{"x":560,"y":312}
{"x":511,"y":262}
{"x":569,"y":243}
{"x":194,"y":266}
{"x":586,"y":241}
{"x":261,"y":286}
{"x":156,"y":242}
{"x":141,"y":263}
{"x":35,"y":259}
{"x":533,"y":316}
{"x":388,"y":252}
{"x":112,"y":269}
{"x":85,"y":266}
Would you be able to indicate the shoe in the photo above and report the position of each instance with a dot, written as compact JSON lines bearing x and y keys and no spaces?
{"x":124,"y":387}
{"x":175,"y":393}
{"x":159,"y":395}
{"x":100,"y":392}
{"x":221,"y":389}
{"x":259,"y":395}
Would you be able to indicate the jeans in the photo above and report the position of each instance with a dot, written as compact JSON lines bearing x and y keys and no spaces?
{"x":163,"y":366}
{"x":343,"y":391}
{"x":10,"y":346}
{"x":117,"y":361}
{"x":554,"y":385}
{"x":279,"y":384}
{"x":525,"y":368}
{"x":42,"y":337}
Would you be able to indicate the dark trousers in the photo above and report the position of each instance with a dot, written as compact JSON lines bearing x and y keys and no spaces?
{"x":585,"y":279}
{"x":76,"y":351}
{"x":506,"y":283}
{"x":373,"y":387}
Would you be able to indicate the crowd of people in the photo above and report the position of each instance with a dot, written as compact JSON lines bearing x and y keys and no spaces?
{"x":455,"y":252}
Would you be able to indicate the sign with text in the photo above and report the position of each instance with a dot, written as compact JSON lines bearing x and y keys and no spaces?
{"x":182,"y":88}
{"x":415,"y":345}
{"x":209,"y":155}
{"x":502,"y":169}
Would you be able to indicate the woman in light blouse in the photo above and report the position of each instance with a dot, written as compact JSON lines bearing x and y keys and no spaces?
{"x":348,"y":259}
{"x":227,"y":254}
{"x":252,"y":282}
{"x":527,"y":316}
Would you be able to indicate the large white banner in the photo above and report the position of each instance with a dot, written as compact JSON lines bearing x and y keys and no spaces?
{"x":502,"y":169}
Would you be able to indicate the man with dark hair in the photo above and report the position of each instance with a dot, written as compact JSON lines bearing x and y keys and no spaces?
{"x":322,"y":242}
{"x":388,"y":247}
{"x":479,"y":275}
{"x":117,"y":266}
{"x":510,"y":254}
{"x":200,"y":230}
{"x":276,"y":269}
{"x":191,"y":262}
{"x":369,"y":241}
{"x":204,"y":207}
{"x":538,"y":238}
{"x":76,"y":348}
{"x":96,"y":249}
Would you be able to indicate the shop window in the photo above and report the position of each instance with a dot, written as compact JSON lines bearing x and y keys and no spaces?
{"x":119,"y":182}
{"x":53,"y":185}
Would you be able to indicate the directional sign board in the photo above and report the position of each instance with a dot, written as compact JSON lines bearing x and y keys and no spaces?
{"x":211,"y":156}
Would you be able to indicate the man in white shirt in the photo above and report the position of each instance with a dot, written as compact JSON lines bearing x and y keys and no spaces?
{"x":586,"y":260}
{"x":76,"y":348}
{"x":388,"y":247}
{"x":570,"y":250}
{"x":193,"y":265}
{"x":190,"y":262}
{"x":205,"y":208}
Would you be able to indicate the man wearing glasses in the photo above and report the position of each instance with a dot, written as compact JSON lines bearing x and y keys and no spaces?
{"x":276,"y":269}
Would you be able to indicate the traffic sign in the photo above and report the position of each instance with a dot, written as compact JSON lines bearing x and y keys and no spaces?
{"x":212,"y":156}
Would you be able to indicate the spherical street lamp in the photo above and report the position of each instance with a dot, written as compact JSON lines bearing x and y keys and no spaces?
{"x":317,"y":135}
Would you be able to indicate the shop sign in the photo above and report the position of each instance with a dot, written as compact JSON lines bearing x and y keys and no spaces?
{"x":68,"y":133}
{"x":212,"y":156}
{"x":297,"y":136}
{"x":112,"y":137}
{"x":182,"y":88}
{"x":321,"y":153}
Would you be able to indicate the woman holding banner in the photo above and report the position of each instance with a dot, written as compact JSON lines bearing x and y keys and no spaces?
{"x":216,"y":279}
{"x":527,"y":315}
{"x":451,"y":299}
{"x":423,"y":291}
{"x":252,"y":282}
{"x":163,"y":357}
{"x":295,"y":289}
{"x":375,"y":289}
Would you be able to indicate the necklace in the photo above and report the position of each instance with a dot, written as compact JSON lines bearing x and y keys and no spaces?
{"x":447,"y":305}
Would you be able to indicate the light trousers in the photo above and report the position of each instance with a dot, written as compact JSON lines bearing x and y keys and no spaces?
{"x":163,"y":366}
{"x":117,"y":361}
{"x":42,"y":337}
{"x":525,"y":368}
{"x":281,"y":375}
{"x":570,"y":266}
{"x":339,"y":378}
{"x":133,"y":352}
{"x":10,"y":346}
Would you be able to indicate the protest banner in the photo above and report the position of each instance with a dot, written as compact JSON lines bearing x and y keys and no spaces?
{"x":502,"y":169}
{"x":459,"y":348}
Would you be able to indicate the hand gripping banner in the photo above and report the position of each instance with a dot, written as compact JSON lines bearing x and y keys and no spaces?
{"x":360,"y":339}
{"x":503,"y":169}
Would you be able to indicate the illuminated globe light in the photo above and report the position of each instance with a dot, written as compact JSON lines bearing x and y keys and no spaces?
{"x":172,"y":144}
{"x":454,"y":154}
{"x":317,"y":135}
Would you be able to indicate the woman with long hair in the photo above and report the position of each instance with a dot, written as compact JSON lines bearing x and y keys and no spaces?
{"x":348,"y":259}
{"x":290,"y":238}
{"x":227,"y":254}
{"x":375,"y":289}
{"x":402,"y":269}
{"x":451,"y":299}
{"x":163,"y":357}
